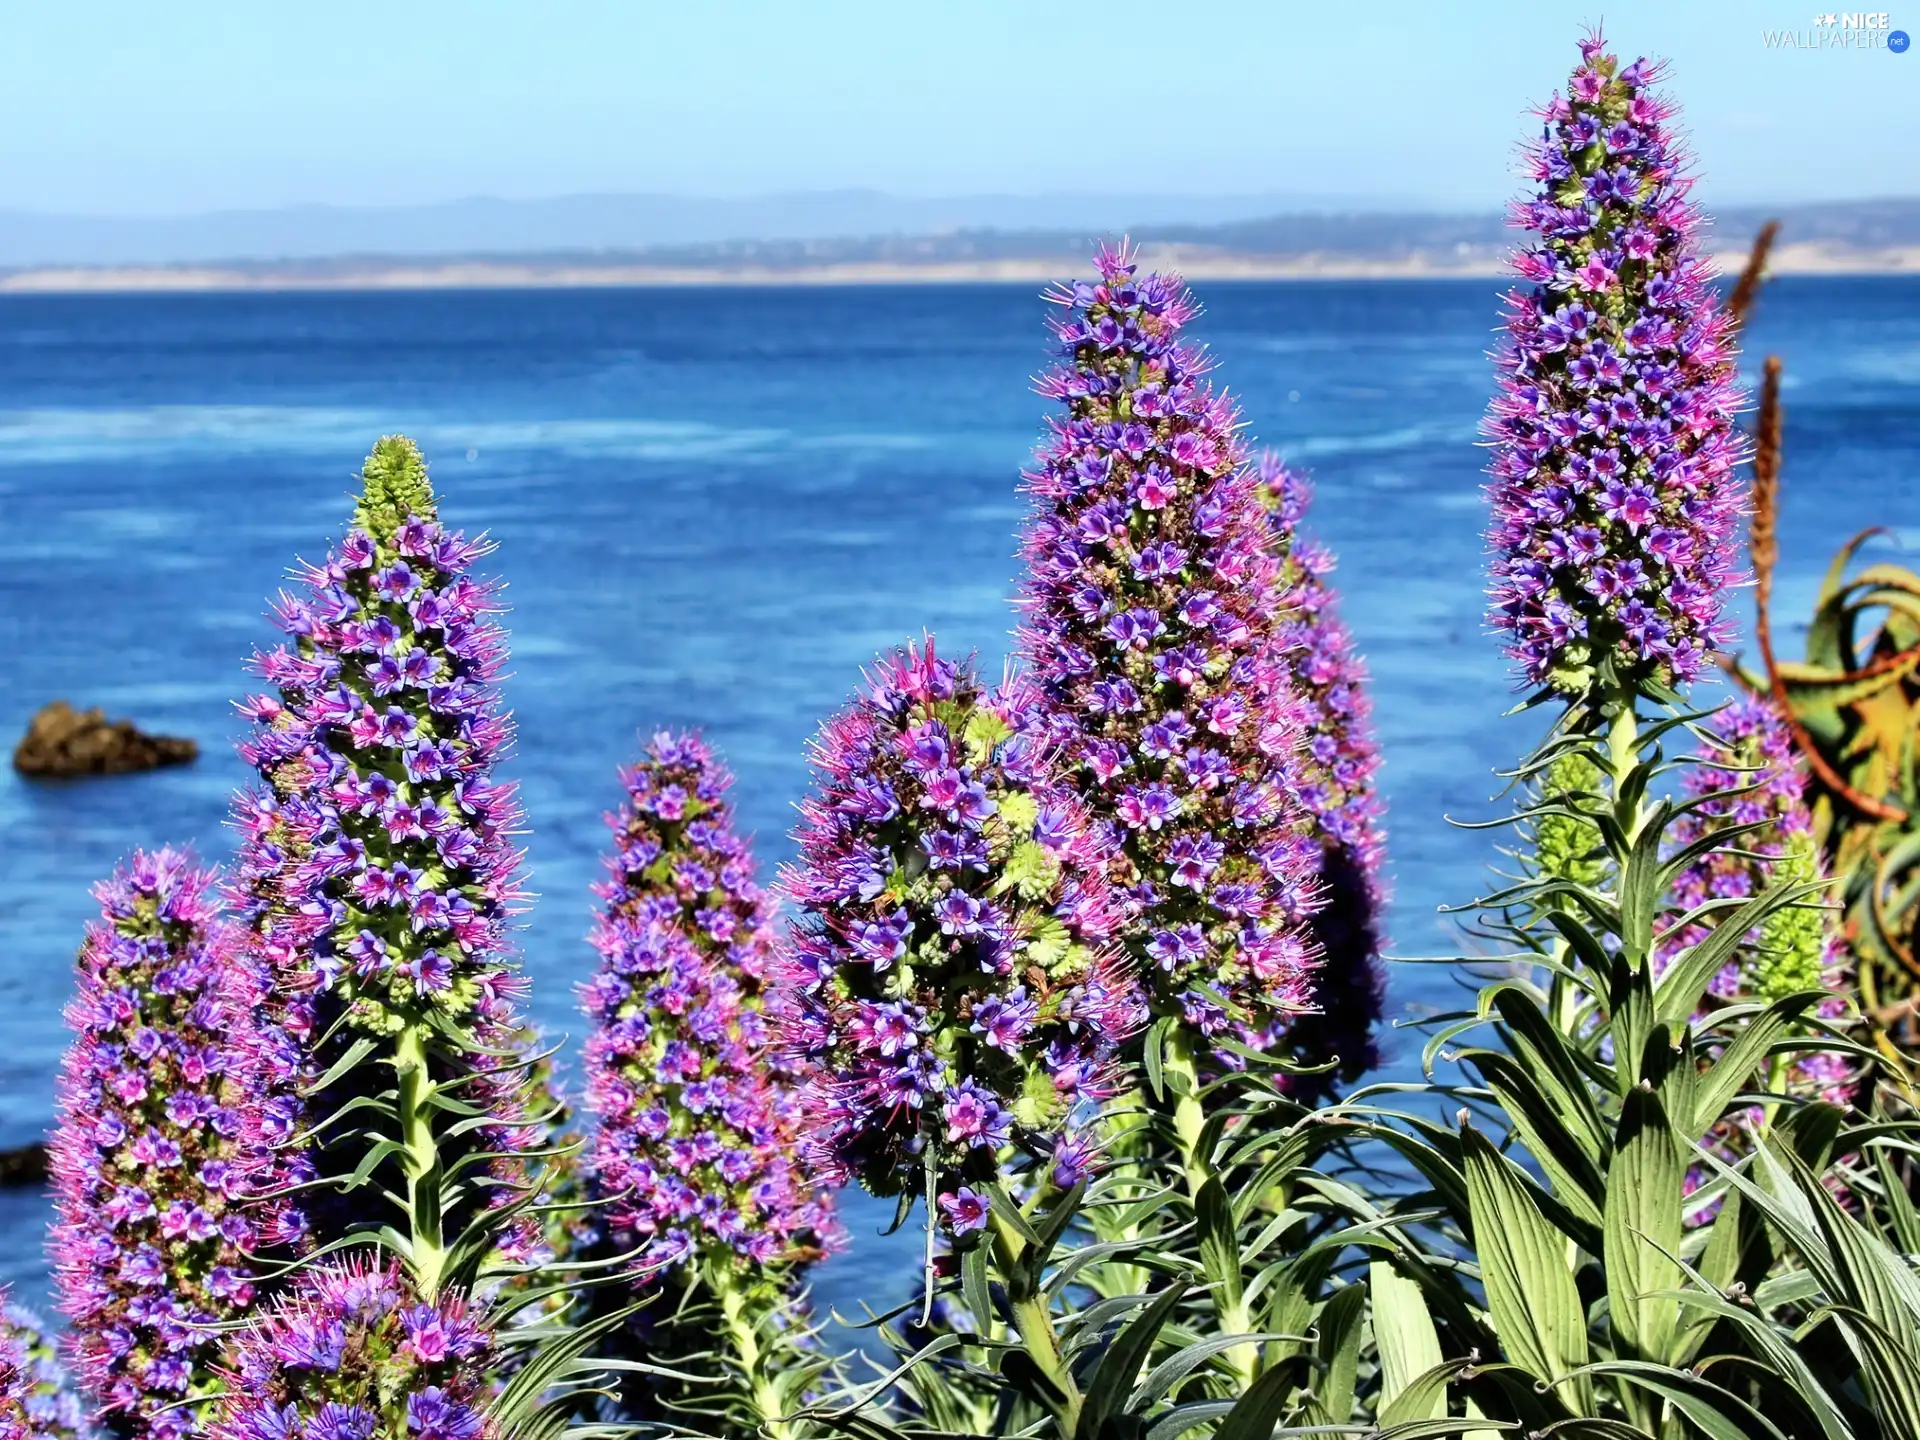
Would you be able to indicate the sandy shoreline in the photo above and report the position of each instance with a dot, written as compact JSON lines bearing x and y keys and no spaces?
{"x":1806,"y":258}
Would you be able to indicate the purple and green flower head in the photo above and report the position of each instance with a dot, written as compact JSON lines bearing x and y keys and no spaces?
{"x":951,"y":990}
{"x":154,"y":1244}
{"x":378,"y":873}
{"x":1335,"y":781}
{"x":696,"y":1147}
{"x":38,"y":1400}
{"x":1614,"y":490}
{"x":1152,"y":629}
{"x":356,"y":1352}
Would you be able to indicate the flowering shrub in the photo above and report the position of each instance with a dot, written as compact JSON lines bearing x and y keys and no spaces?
{"x":1028,"y":916}
{"x":1151,"y":606}
{"x":1614,"y":495}
{"x":952,"y":996}
{"x":695,"y":1159}
{"x":698,"y":1128}
{"x":355,"y":1352}
{"x":377,"y":872}
{"x":1334,"y":777}
{"x":37,"y":1398}
{"x":151,"y":1248}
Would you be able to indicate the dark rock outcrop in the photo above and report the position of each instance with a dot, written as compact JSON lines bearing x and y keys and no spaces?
{"x":26,"y":1165}
{"x":62,"y":741}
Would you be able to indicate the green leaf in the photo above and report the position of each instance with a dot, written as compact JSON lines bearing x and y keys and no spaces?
{"x":1256,"y":1413}
{"x":1113,"y":1378}
{"x":1153,"y":1056}
{"x":1577,"y":1180}
{"x":1162,"y":1379}
{"x":1890,"y":1367}
{"x":1219,"y":1242}
{"x":1717,"y":1412}
{"x":1643,"y":1228}
{"x":1424,"y":1398}
{"x":1738,"y":1063}
{"x":1403,"y":1332}
{"x":1641,"y":887}
{"x":1338,"y":1347}
{"x":1684,"y":981}
{"x":1900,"y":1208}
{"x":1531,"y":1294}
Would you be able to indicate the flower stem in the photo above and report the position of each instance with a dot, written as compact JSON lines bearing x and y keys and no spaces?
{"x":1033,"y":1322}
{"x":1189,"y":1116}
{"x":1623,"y":754}
{"x":769,"y":1410}
{"x":1189,"y":1124}
{"x":421,"y":1159}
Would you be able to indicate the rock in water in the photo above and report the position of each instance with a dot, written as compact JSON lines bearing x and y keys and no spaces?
{"x":62,"y":741}
{"x":25,"y":1166}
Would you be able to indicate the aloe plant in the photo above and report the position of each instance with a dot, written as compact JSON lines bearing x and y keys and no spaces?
{"x":1853,"y":704}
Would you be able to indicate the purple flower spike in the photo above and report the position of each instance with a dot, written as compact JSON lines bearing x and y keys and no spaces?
{"x":1152,"y":628}
{"x":1335,"y":780}
{"x":353,"y":1352}
{"x":1750,"y":775}
{"x":699,"y":1123}
{"x":151,"y":1244}
{"x":37,"y":1399}
{"x":377,"y":875}
{"x":1614,"y":449}
{"x":950,"y":990}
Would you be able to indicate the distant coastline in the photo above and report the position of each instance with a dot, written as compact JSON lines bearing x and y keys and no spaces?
{"x":1875,"y":237}
{"x":1809,"y":258}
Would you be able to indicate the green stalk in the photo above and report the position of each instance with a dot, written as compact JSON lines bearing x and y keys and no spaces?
{"x":1189,"y":1120}
{"x":769,"y":1410}
{"x":420,"y":1156}
{"x":1127,"y":1131}
{"x":1189,"y":1116}
{"x":1623,"y":754}
{"x":1033,"y":1322}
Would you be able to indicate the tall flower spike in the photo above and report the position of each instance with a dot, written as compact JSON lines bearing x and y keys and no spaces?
{"x":37,"y":1398}
{"x":949,"y":985}
{"x":377,"y":876}
{"x":1151,"y":627}
{"x":152,"y":1240}
{"x":355,"y":1352}
{"x":1614,"y":449}
{"x":1748,"y":776}
{"x":697,"y":1136}
{"x":1340,"y":804}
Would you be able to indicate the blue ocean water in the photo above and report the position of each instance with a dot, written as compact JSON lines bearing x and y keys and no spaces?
{"x":714,"y":506}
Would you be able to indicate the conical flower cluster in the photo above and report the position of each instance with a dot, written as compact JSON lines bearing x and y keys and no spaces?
{"x":696,"y":1147}
{"x":153,"y":1243}
{"x":1151,"y":614}
{"x":1334,"y":779}
{"x":355,"y":1353}
{"x":951,"y":994}
{"x":1614,"y":448}
{"x":1749,"y":775}
{"x":37,"y":1398}
{"x":377,"y":875}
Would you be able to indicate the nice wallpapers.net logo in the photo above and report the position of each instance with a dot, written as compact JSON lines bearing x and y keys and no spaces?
{"x":1842,"y":31}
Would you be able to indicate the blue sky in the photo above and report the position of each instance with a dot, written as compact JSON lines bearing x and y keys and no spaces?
{"x":128,"y":107}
